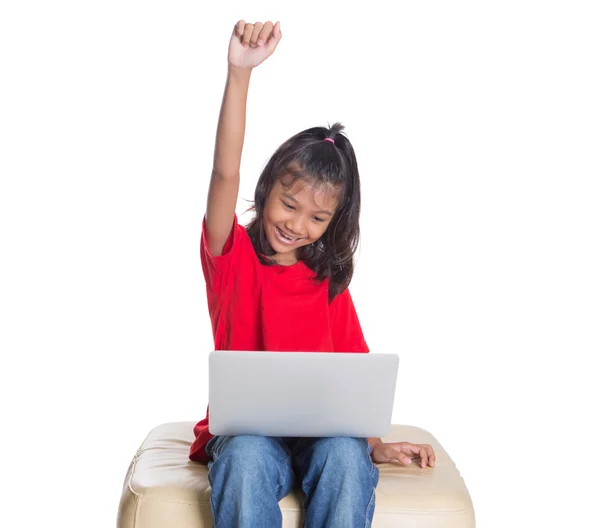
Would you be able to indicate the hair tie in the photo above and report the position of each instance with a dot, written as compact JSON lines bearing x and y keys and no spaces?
{"x":329,"y":139}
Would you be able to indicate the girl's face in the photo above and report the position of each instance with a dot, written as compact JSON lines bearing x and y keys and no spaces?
{"x":296,"y":215}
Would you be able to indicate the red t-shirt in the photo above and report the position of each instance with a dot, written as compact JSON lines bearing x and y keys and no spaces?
{"x":276,"y":308}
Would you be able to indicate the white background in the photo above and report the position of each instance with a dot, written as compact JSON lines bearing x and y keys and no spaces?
{"x":476,"y":128}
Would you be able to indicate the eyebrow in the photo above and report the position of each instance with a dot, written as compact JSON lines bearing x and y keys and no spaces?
{"x":290,"y":197}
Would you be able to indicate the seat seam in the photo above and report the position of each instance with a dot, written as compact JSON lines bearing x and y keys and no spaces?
{"x":422,"y":512}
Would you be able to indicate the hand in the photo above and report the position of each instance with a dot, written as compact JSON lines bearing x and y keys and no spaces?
{"x":251,"y":44}
{"x":404,"y":453}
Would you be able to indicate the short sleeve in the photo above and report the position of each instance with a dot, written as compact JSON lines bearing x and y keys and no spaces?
{"x":217,"y":269}
{"x":346,"y":331}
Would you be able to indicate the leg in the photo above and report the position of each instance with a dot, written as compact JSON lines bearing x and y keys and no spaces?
{"x":249,"y":475}
{"x":339,"y":480}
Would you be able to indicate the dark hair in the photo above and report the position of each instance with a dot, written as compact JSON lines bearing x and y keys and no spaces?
{"x":320,"y":163}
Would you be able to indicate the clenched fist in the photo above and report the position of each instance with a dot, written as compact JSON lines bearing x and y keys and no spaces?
{"x":251,"y":44}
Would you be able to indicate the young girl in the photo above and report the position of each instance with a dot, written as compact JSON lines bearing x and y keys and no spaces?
{"x":281,"y":284}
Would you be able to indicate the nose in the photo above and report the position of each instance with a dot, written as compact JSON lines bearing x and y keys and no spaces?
{"x":295,"y":225}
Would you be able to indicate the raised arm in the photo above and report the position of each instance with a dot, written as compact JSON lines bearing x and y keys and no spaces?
{"x":249,"y":46}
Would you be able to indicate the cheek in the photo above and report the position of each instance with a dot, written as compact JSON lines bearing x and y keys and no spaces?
{"x":269,"y":211}
{"x":317,"y":231}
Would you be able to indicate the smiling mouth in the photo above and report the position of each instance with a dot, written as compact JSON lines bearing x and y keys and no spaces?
{"x":285,"y":238}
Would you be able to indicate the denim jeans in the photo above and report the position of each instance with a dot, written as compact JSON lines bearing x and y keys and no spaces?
{"x":249,"y":475}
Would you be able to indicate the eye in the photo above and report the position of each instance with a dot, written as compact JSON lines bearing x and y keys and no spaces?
{"x":318,"y":219}
{"x":287,"y":206}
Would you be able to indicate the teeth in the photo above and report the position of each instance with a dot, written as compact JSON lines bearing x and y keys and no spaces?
{"x":285,"y":236}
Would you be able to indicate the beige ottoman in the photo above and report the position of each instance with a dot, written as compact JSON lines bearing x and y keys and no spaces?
{"x":163,"y":488}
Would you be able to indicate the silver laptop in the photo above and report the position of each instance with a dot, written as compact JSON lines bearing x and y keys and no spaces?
{"x":301,"y":394}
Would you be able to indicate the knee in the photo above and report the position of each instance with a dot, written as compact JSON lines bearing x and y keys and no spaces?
{"x":342,"y":452}
{"x":251,"y":468}
{"x":246,"y":453}
{"x":247,"y":444}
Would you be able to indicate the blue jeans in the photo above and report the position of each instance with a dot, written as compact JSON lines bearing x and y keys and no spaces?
{"x":249,"y":475}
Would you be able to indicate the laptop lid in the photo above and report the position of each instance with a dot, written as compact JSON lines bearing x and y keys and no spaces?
{"x":301,"y":394}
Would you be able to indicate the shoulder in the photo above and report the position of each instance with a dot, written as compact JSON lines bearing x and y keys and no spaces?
{"x":238,"y":240}
{"x":342,"y":299}
{"x":236,"y":260}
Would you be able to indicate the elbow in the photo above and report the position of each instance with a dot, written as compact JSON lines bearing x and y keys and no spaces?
{"x":226,"y":175}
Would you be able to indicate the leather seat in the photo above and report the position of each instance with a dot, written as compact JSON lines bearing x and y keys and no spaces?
{"x":163,"y":488}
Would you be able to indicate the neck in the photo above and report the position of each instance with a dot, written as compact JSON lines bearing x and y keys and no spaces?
{"x":287,"y":259}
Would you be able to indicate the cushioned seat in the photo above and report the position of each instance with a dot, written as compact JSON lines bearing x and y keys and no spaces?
{"x":163,"y":488}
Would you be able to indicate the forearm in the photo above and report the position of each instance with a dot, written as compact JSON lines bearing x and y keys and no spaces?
{"x":232,"y":123}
